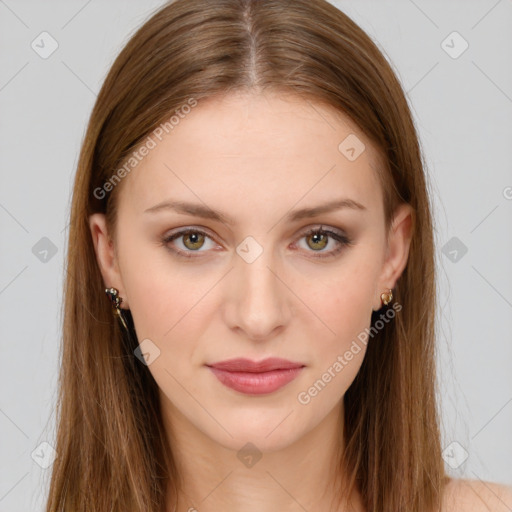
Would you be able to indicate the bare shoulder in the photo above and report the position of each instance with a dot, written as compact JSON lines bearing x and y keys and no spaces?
{"x":476,"y":496}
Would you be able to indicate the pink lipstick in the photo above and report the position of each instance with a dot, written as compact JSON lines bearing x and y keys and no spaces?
{"x":256,"y":377}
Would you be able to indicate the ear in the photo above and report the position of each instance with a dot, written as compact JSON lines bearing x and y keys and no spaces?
{"x":106,"y":255}
{"x":397,"y":253}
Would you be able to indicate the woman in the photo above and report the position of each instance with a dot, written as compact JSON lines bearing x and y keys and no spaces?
{"x":251,"y":199}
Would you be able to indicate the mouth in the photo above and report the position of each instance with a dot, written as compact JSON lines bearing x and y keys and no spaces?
{"x":256,"y":377}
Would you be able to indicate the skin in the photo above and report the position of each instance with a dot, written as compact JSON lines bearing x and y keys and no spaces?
{"x":477,"y":496}
{"x":255,"y":157}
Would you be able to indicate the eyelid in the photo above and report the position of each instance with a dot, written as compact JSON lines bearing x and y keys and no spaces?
{"x":188,"y":229}
{"x":336,"y":234}
{"x":180,"y":232}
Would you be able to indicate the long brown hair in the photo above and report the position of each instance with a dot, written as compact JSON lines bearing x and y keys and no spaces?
{"x":112,"y":449}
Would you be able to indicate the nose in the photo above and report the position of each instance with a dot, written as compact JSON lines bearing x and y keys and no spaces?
{"x":258,"y":301}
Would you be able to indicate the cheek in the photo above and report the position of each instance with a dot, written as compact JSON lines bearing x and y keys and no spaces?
{"x":170,"y":305}
{"x":162,"y":304}
{"x":345,"y":308}
{"x":159,"y":297}
{"x":338,"y":356}
{"x":345,"y":303}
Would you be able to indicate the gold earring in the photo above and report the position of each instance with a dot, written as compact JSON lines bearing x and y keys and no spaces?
{"x":115,"y":299}
{"x":386,"y":297}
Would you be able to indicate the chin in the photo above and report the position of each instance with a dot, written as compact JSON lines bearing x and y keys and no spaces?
{"x":269,"y":431}
{"x":254,"y":439}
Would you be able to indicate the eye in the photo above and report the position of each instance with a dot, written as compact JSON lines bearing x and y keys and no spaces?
{"x":193,"y":240}
{"x":318,"y":239}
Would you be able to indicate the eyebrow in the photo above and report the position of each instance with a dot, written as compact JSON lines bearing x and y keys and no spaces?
{"x":203,"y":211}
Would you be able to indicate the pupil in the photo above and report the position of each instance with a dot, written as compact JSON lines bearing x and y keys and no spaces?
{"x":193,"y":240}
{"x":317,"y":238}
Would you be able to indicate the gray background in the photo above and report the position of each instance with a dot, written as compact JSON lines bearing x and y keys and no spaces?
{"x":463,"y":109}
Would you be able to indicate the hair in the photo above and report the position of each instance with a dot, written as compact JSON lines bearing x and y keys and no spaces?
{"x":112,"y":449}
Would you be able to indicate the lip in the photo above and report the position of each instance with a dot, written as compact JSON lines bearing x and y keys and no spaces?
{"x":256,"y":377}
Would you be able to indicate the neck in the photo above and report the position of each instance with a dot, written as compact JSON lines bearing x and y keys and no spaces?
{"x":303,"y":475}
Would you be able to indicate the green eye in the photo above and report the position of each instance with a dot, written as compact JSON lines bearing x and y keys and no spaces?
{"x":195,"y":238}
{"x":317,"y":239}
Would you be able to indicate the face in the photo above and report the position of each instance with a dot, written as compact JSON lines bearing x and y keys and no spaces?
{"x":264,"y":277}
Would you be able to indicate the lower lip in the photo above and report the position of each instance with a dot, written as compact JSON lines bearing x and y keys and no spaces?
{"x":256,"y":383}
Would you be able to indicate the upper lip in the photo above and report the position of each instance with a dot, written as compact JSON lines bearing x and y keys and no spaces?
{"x":247,"y":365}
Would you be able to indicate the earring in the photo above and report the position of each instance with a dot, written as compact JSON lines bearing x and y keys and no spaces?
{"x":113,"y":295}
{"x":386,"y":297}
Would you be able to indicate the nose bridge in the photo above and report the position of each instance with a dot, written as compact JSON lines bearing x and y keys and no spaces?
{"x":258,"y":296}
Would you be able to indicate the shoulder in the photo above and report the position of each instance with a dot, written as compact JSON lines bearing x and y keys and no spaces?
{"x":476,"y":496}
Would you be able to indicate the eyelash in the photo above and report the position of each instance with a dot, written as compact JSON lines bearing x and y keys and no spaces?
{"x":342,"y":239}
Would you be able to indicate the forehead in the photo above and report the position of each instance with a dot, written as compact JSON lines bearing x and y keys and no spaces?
{"x":264,"y":147}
